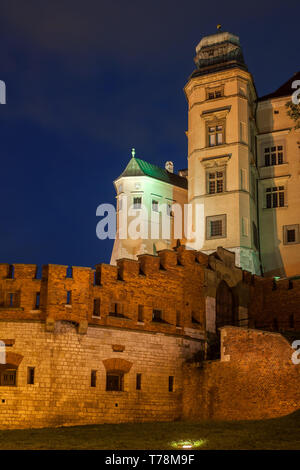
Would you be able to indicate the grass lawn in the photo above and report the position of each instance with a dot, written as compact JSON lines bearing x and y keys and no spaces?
{"x":279,"y":433}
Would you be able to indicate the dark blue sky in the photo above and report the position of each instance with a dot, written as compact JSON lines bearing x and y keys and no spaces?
{"x":87,"y":81}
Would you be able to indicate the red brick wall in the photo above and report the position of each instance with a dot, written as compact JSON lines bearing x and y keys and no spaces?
{"x":255,"y":379}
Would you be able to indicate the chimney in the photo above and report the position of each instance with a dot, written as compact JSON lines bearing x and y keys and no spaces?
{"x":169,"y":166}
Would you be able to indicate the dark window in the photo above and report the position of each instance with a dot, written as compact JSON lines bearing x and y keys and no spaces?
{"x":215,"y":135}
{"x":291,"y":321}
{"x":37,"y":301}
{"x":171,"y":383}
{"x":11,"y":272}
{"x":157,"y":315}
{"x":275,"y":197}
{"x":215,"y":182}
{"x":69,"y":272}
{"x":8,"y":377}
{"x":138,"y":381}
{"x":275,"y":324}
{"x":30,"y":375}
{"x":273,"y":155}
{"x":141,"y":313}
{"x":69,"y":297}
{"x":137,"y":202}
{"x":177,"y":318}
{"x":114,"y":381}
{"x":11,"y":300}
{"x":117,"y":310}
{"x":96,"y":310}
{"x":93,"y":378}
{"x":216,"y":228}
{"x":291,"y":236}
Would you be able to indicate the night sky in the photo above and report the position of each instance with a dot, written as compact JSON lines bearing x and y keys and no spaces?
{"x":87,"y":81}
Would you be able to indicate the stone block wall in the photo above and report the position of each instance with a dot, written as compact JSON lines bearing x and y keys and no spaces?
{"x":255,"y":379}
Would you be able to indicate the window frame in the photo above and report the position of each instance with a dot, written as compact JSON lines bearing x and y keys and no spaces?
{"x":215,"y":180}
{"x":271,"y":191}
{"x":215,"y":124}
{"x":286,"y":228}
{"x":214,"y":218}
{"x":115,"y":373}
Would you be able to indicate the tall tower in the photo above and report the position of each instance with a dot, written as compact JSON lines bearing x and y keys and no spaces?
{"x":222,"y":172}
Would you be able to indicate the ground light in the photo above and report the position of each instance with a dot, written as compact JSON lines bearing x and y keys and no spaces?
{"x":188,"y":444}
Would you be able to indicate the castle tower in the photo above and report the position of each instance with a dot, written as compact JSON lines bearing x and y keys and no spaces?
{"x":146,"y":198}
{"x":222,"y":171}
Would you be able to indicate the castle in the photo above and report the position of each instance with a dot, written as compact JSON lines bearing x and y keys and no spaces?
{"x":169,"y":331}
{"x":243,"y":168}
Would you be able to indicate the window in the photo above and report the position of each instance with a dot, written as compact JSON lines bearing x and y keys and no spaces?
{"x":215,"y":182}
{"x":11,"y":300}
{"x":8,"y":378}
{"x":30,"y":375}
{"x":114,"y":381}
{"x":116,"y":310}
{"x":11,"y":272}
{"x":291,"y":234}
{"x":291,"y":321}
{"x":177,"y":318}
{"x":212,"y":94}
{"x":93,"y":378}
{"x":273,"y":155}
{"x":244,"y":184}
{"x":96,"y":310}
{"x":69,"y":273}
{"x":69,"y":297}
{"x":140,"y":313}
{"x":137,"y":202}
{"x":275,"y":197}
{"x":216,"y":226}
{"x":171,"y":383}
{"x":37,"y":301}
{"x":215,"y":135}
{"x":157,"y":315}
{"x":154,"y":205}
{"x":138,"y":381}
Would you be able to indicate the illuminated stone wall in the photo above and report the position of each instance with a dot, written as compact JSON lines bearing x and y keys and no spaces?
{"x":255,"y":379}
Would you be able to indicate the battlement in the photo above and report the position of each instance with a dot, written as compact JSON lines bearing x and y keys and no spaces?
{"x":175,"y":283}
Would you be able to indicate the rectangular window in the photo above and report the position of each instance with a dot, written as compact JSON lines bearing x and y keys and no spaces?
{"x":140,"y":313}
{"x":137,"y":202}
{"x":177,"y":318}
{"x":171,"y":383}
{"x":154,"y":205}
{"x":157,"y":315}
{"x":8,"y":378}
{"x":215,"y":182}
{"x":216,"y":226}
{"x":212,"y":94}
{"x":37,"y":301}
{"x":273,"y":155}
{"x":138,"y":381}
{"x":30,"y":375}
{"x":69,"y":297}
{"x":291,"y":234}
{"x":93,"y":378}
{"x":275,"y":197}
{"x":11,"y":300}
{"x":114,"y":381}
{"x":215,"y":135}
{"x":116,"y":310}
{"x":96,"y":310}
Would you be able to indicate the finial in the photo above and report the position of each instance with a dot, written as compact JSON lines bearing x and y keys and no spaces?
{"x":133,"y":153}
{"x":219,"y":26}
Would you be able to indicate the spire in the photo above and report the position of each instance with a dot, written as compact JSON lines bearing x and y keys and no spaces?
{"x":133,"y":153}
